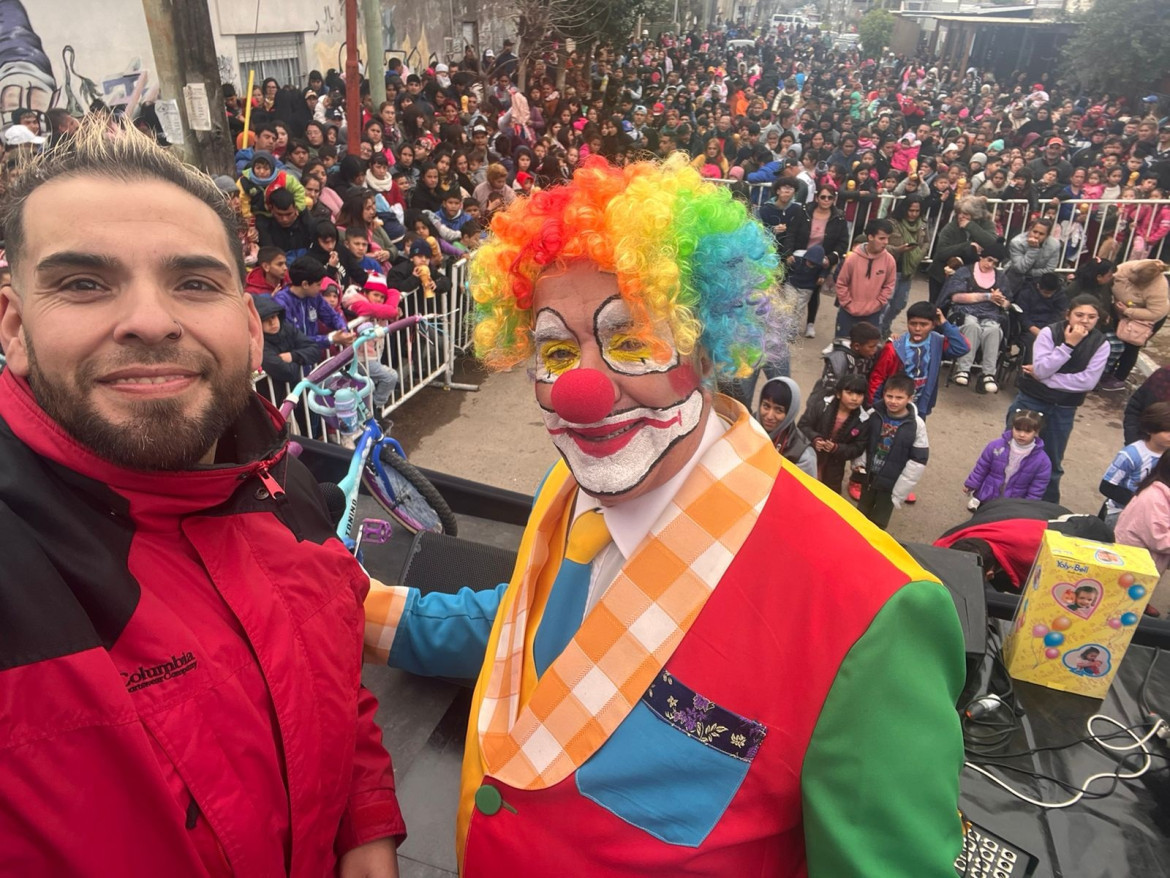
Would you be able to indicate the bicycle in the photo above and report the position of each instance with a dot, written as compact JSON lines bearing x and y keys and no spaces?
{"x":337,"y":391}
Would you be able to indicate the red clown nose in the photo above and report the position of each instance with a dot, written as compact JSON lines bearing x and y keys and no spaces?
{"x":582,"y":396}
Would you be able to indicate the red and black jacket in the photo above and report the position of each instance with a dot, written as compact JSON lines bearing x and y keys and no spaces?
{"x":180,"y":658}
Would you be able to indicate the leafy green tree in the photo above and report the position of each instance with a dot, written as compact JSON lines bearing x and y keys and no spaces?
{"x":1119,"y":47}
{"x":875,"y":29}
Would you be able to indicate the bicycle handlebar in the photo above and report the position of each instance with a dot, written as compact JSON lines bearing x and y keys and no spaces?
{"x":339,"y":360}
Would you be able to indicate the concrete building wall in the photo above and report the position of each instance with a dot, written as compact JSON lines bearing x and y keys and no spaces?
{"x":68,"y":53}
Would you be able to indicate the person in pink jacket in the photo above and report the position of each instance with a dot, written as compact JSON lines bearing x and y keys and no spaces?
{"x":866,"y":279}
{"x":1145,"y":521}
{"x":1140,"y":292}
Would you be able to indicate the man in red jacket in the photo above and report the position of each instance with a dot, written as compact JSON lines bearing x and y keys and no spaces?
{"x":180,"y":631}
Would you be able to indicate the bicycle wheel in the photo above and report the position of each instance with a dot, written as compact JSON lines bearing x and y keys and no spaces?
{"x":406,"y":494}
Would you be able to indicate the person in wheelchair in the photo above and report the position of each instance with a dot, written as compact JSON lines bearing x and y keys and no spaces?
{"x":974,"y":299}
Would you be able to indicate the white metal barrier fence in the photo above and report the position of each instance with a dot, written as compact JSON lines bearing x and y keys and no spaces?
{"x":1116,"y":229}
{"x":422,"y":356}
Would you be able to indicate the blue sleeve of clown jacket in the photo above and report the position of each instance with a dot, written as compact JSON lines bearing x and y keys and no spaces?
{"x":445,"y":635}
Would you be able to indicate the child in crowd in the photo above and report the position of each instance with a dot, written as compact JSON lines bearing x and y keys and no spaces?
{"x":897,"y":450}
{"x":919,"y":352}
{"x":324,"y":248}
{"x":269,"y":274}
{"x":260,"y":180}
{"x":452,"y":216}
{"x":1135,"y":461}
{"x":471,"y":236}
{"x":836,"y":429}
{"x":355,"y":262}
{"x":805,"y":272}
{"x":779,"y":403}
{"x":1014,"y":465}
{"x":378,"y":302}
{"x":304,"y":307}
{"x":287,"y":350}
{"x":856,"y":358}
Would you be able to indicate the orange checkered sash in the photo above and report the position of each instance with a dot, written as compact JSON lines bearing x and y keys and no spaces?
{"x":538,"y":741}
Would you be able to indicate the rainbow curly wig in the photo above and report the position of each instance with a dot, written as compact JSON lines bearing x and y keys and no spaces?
{"x":684,"y":252}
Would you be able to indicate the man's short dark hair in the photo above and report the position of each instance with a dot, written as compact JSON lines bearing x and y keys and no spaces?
{"x":270,"y":127}
{"x":922,"y":311}
{"x":356,"y":230}
{"x":1049,"y":281}
{"x":306,"y":270}
{"x":281,"y":199}
{"x":874,"y":226}
{"x":785,"y":181}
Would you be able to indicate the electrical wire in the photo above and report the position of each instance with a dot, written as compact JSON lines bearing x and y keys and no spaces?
{"x":1118,"y":774}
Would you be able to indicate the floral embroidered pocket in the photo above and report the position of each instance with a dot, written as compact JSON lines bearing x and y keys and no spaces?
{"x":674,"y":765}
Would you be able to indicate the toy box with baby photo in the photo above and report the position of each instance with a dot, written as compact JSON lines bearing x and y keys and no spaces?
{"x":1077,"y":613}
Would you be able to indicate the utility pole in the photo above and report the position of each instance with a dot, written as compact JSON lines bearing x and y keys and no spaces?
{"x":184,"y":53}
{"x":375,"y":51}
{"x":353,"y":108}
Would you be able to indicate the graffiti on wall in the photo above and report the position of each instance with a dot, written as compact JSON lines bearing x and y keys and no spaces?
{"x":27,"y":78}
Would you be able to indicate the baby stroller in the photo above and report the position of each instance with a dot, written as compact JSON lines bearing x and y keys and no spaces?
{"x":1016,"y":343}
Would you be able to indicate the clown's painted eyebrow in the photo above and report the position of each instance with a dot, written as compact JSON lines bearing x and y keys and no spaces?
{"x":549,"y":325}
{"x":607,"y":319}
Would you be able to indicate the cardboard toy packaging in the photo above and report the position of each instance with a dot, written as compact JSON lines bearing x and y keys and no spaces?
{"x":1077,"y":614}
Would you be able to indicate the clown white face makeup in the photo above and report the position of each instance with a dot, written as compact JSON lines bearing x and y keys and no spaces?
{"x":644,"y":407}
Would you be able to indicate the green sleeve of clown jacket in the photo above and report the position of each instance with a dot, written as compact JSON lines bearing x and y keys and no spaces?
{"x":880,"y":781}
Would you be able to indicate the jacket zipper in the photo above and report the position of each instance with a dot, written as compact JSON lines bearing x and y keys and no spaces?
{"x":270,"y":484}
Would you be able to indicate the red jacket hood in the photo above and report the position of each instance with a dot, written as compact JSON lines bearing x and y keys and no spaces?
{"x":174,"y":493}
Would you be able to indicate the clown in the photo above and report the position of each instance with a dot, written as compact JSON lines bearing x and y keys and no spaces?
{"x":705,"y":663}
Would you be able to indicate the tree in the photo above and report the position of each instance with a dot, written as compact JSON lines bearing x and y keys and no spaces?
{"x":1118,"y":47}
{"x":875,"y":29}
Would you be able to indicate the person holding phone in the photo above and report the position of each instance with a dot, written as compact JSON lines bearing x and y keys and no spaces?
{"x":1067,"y":360}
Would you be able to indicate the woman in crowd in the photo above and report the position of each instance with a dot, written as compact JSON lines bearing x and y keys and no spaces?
{"x":1067,"y":361}
{"x":1141,"y":300}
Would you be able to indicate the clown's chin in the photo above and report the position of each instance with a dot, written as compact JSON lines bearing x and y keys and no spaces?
{"x":617,"y":455}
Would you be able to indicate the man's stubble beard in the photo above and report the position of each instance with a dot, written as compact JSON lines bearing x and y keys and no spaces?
{"x":157,"y":436}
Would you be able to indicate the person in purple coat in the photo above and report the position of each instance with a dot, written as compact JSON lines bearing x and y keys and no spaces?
{"x":1014,"y":465}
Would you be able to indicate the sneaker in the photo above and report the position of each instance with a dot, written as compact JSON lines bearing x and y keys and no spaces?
{"x":827,"y":350}
{"x":911,"y":498}
{"x":810,"y":331}
{"x":855,"y":490}
{"x":1109,"y":384}
{"x":973,"y":504}
{"x":989,"y":385}
{"x":962,"y":378}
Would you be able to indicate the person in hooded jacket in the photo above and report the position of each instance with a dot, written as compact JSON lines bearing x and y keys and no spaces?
{"x":263,"y":178}
{"x":779,"y":404}
{"x":287,"y":350}
{"x":866,"y":280}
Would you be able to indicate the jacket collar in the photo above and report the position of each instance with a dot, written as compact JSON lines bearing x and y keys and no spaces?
{"x":256,"y":441}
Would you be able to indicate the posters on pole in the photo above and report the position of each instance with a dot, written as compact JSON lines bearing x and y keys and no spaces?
{"x":198,"y":107}
{"x":170,"y":120}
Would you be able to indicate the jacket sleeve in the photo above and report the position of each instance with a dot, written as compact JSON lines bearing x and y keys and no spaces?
{"x":980,"y":470}
{"x":433,"y":635}
{"x":850,"y":450}
{"x":887,"y":364}
{"x":305,"y":351}
{"x":296,"y":190}
{"x":332,"y":318}
{"x":888,"y":284}
{"x":915,"y":465}
{"x":1131,"y":431}
{"x":371,"y":810}
{"x":277,"y":369}
{"x":955,"y":344}
{"x":844,"y":276}
{"x":863,"y":755}
{"x":1040,"y":478}
{"x":951,"y":242}
{"x":809,"y":423}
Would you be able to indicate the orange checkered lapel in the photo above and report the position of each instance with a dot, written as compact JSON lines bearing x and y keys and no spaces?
{"x":635,"y":627}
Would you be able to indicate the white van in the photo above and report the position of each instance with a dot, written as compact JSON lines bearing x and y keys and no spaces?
{"x":789,"y":21}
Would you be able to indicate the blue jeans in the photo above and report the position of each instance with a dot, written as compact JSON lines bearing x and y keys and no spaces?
{"x":896,"y":305}
{"x":1057,"y":427}
{"x":846,"y":321}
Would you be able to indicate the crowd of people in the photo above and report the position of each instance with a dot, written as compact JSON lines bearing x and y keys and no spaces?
{"x":1010,"y":197}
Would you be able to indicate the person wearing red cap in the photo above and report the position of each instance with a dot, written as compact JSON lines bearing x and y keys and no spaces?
{"x":1052,"y":157}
